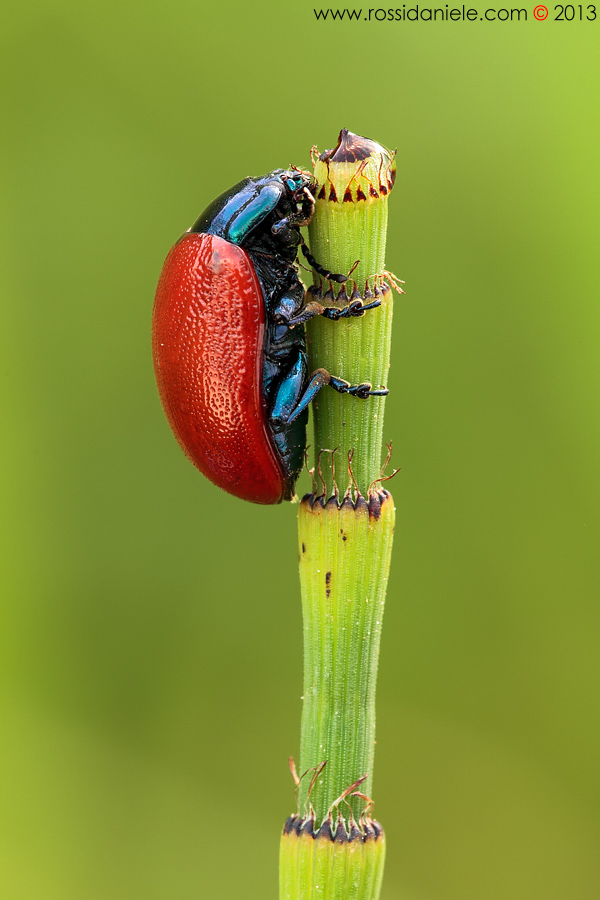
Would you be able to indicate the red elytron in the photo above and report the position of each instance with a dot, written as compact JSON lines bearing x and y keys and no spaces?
{"x":207,"y":342}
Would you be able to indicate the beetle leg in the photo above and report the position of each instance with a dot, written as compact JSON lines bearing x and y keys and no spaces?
{"x":294,"y":220}
{"x":320,"y":378}
{"x":329,"y":276}
{"x":313,"y":308}
{"x":306,"y":313}
{"x":297,"y":219}
{"x":285,"y":407}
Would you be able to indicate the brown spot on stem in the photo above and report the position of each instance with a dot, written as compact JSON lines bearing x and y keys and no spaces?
{"x":360,"y":194}
{"x":348,"y":195}
{"x":303,"y":547}
{"x":321,"y":194}
{"x":332,"y":194}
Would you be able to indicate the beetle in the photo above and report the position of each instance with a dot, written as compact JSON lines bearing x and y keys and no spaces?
{"x":228,"y":337}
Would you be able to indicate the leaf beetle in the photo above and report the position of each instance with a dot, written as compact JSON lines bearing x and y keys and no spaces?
{"x":228,"y":337}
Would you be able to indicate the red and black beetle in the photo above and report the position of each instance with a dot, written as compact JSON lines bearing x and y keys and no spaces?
{"x":228,"y":337}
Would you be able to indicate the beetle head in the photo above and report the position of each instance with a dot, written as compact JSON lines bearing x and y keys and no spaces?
{"x":301,"y":186}
{"x":296,"y":180}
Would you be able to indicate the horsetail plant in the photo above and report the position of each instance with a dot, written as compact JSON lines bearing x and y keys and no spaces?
{"x":230,"y":362}
{"x":332,"y":848}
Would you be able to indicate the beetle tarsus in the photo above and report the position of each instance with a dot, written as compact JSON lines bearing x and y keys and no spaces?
{"x":355,"y":308}
{"x":362,"y":391}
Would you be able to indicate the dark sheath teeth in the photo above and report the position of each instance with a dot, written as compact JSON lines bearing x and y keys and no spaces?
{"x":369,"y":829}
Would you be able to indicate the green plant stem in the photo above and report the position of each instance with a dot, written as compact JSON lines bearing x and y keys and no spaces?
{"x":332,"y":849}
{"x":341,"y":233}
{"x":344,"y":560}
{"x":357,"y":351}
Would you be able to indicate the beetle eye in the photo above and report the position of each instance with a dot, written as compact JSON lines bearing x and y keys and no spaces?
{"x":295,"y":183}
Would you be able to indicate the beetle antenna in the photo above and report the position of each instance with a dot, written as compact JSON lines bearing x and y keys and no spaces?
{"x":314,"y":154}
{"x":339,"y":278}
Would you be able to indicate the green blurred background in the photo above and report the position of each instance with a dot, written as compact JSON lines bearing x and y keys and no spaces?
{"x":151,"y":639}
